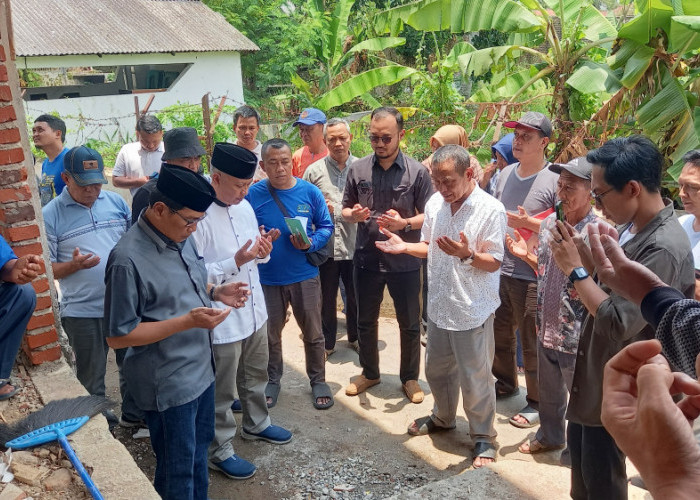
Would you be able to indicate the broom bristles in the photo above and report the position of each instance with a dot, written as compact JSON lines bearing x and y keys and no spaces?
{"x":54,"y":412}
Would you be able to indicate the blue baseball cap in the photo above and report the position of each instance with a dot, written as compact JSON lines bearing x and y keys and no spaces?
{"x":85,"y":166}
{"x":310,"y":116}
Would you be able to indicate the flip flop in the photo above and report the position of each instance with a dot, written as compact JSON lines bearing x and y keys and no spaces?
{"x":8,"y":395}
{"x":484,"y":450}
{"x":321,"y":390}
{"x":535,"y":446}
{"x":272,"y":391}
{"x":425,"y":426}
{"x":531,"y":416}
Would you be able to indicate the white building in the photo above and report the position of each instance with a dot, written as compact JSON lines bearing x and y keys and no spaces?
{"x":98,"y":54}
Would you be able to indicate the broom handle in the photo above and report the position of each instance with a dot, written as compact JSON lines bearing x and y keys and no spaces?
{"x":78,"y":466}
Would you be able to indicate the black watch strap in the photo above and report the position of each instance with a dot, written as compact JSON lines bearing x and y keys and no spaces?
{"x":579,"y":273}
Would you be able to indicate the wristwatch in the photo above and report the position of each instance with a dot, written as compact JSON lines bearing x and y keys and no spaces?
{"x":407,"y":227}
{"x":579,"y":273}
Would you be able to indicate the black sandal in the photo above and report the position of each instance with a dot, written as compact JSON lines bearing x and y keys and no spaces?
{"x":425,"y":426}
{"x":272,"y":391}
{"x":8,"y":395}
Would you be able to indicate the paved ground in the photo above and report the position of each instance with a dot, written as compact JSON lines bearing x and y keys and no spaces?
{"x":360,"y":446}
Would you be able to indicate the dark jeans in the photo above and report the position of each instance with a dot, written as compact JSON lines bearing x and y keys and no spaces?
{"x":180,"y":437}
{"x":17,"y":304}
{"x":597,"y":464}
{"x":331,"y":273}
{"x":404,"y":289}
{"x":90,"y":347}
{"x":305,"y":299}
{"x":130,"y":411}
{"x":518,"y":309}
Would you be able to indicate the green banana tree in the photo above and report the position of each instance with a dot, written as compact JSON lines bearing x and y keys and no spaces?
{"x":653,"y":74}
{"x":336,"y":84}
{"x":571,"y":30}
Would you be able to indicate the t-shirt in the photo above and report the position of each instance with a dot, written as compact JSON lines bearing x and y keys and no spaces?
{"x":288,"y":265}
{"x":6,"y":253}
{"x":535,"y":194}
{"x":133,"y":161}
{"x":302,"y":158}
{"x":694,"y":236}
{"x":51,"y":183}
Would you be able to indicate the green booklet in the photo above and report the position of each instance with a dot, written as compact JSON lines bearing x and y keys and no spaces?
{"x":296,"y":227}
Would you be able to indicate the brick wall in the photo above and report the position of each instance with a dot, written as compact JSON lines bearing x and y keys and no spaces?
{"x":21,"y":223}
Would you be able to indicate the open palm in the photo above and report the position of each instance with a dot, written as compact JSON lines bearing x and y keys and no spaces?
{"x":394,"y":245}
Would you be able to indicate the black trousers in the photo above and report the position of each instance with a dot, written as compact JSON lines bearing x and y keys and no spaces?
{"x":331,"y":273}
{"x":404,"y":288}
{"x":597,"y":464}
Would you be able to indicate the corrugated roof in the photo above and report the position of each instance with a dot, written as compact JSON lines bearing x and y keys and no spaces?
{"x":71,"y":27}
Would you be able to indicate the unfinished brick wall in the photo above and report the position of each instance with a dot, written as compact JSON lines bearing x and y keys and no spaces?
{"x":21,"y":223}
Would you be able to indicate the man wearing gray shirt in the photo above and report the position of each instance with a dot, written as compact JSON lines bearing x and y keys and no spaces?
{"x":329,"y":174}
{"x":526,"y":189}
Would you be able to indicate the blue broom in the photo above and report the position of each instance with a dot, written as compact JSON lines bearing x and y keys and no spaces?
{"x":55,"y":421}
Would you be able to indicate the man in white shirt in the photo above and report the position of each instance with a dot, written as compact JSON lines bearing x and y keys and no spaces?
{"x":246,"y":125}
{"x":462,"y":237}
{"x":689,"y":192}
{"x":231,"y":244}
{"x":138,"y":161}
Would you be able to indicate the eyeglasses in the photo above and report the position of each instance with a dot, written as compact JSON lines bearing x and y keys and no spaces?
{"x":689,"y":189}
{"x":374,"y":139}
{"x":598,"y":198}
{"x":188,"y":222}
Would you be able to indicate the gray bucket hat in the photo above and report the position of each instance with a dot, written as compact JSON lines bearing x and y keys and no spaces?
{"x":182,"y":142}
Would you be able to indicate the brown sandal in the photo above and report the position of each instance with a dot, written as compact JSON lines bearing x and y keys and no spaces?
{"x":534,"y":447}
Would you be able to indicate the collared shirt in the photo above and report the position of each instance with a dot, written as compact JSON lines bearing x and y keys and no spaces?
{"x":536,"y":194}
{"x":151,"y":278}
{"x":404,"y":187}
{"x":93,"y":230}
{"x":559,"y":306}
{"x":51,"y":183}
{"x":218,"y":238}
{"x":331,"y":180}
{"x":257,"y":151}
{"x":460,"y":296}
{"x":134,"y":161}
{"x":687,"y":222}
{"x":663,"y":247}
{"x":303,"y":157}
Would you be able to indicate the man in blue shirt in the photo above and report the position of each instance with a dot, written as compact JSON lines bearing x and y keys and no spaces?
{"x":82,"y":226}
{"x":17,"y":301}
{"x":289,"y":278}
{"x":49,"y":134}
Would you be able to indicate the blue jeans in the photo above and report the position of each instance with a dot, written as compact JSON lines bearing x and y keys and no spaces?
{"x":16,"y":307}
{"x":180,"y":437}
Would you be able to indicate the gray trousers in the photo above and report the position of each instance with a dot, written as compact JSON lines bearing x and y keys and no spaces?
{"x":241,"y":365}
{"x":555,"y":375}
{"x":462,"y":360}
{"x":305,"y":298}
{"x":90,"y":347}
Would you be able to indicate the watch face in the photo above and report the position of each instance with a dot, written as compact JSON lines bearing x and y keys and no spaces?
{"x":578,"y":274}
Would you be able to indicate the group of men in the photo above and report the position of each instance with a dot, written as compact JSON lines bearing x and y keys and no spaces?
{"x":191,"y":286}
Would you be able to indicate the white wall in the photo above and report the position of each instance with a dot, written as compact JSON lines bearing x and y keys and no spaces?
{"x":215,"y":72}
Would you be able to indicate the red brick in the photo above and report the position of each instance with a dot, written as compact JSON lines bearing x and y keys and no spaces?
{"x":39,"y":357}
{"x":2,"y":53}
{"x":42,"y":339}
{"x":18,"y":213}
{"x":9,"y":135}
{"x":3,"y":73}
{"x":21,"y":193}
{"x":22,"y":233}
{"x":5,"y":93}
{"x":10,"y":156}
{"x":39,"y":321}
{"x":22,"y":250}
{"x":40,"y":285}
{"x":12,"y":175}
{"x":43,"y":303}
{"x":7,"y":114}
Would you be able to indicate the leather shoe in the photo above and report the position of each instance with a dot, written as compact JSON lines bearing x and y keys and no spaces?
{"x":359,"y":384}
{"x":413,"y":391}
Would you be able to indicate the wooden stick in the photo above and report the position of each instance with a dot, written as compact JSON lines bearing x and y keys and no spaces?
{"x":206,"y":117}
{"x":217,"y":115}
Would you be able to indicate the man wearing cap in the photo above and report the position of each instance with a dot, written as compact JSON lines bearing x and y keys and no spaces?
{"x":138,"y":161}
{"x":625,"y":184}
{"x":246,"y":125}
{"x":182,"y":148}
{"x":49,"y":135}
{"x":527,"y":189}
{"x":310,"y":123}
{"x":83,"y":224}
{"x":158,"y":305}
{"x":559,"y":307}
{"x":288,"y":277}
{"x":230,"y":242}
{"x":330,"y":175}
{"x":387,"y":190}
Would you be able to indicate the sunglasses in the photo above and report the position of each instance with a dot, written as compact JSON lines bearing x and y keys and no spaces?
{"x":374,"y":139}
